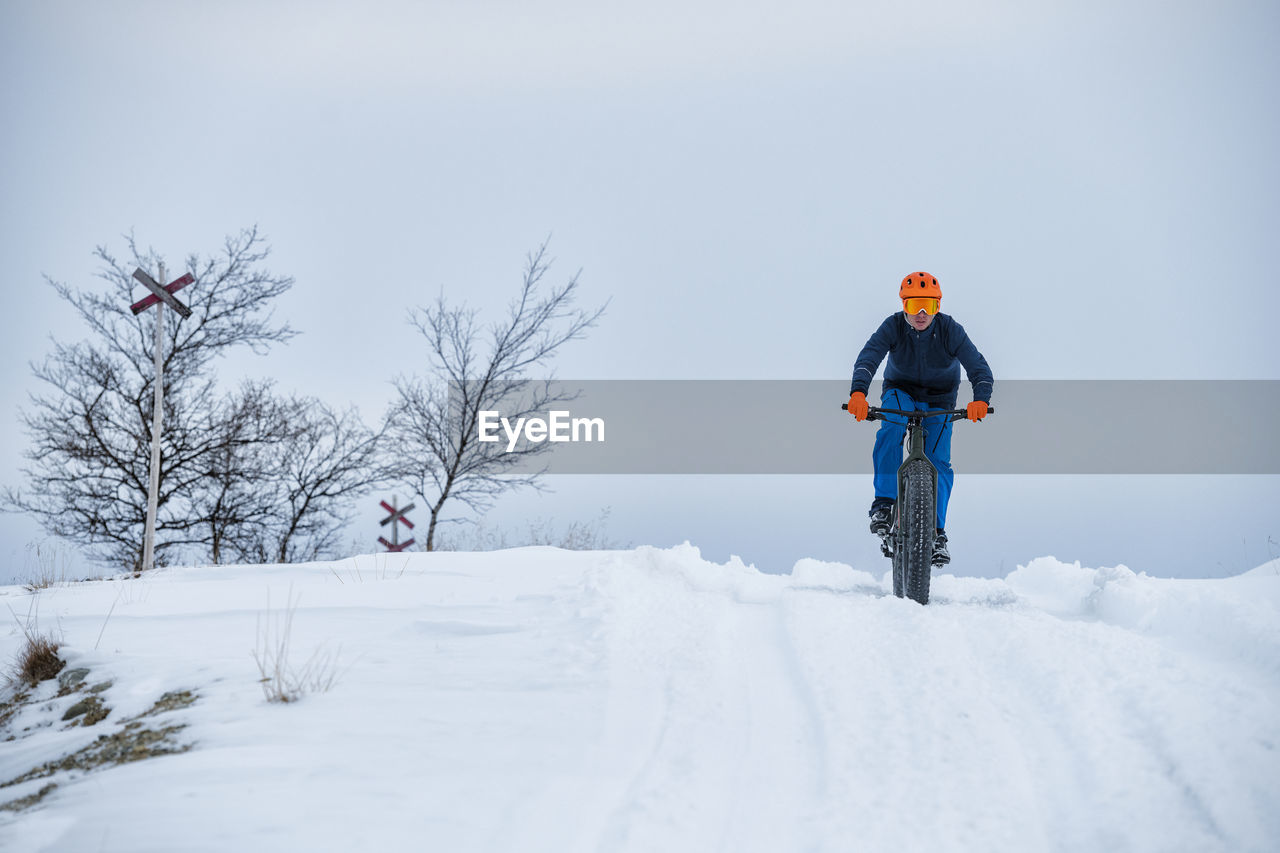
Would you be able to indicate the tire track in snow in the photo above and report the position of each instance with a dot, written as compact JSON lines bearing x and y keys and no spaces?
{"x":816,"y":727}
{"x":1096,"y":725}
{"x":783,"y":769}
{"x":959,"y":727}
{"x":730,"y":750}
{"x":752,"y":714}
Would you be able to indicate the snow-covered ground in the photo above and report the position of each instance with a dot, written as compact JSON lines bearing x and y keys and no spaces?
{"x":648,"y":700}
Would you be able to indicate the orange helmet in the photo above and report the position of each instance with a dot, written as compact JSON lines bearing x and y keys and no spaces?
{"x":920,"y":284}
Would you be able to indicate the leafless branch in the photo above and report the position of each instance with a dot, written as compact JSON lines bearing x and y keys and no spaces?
{"x":433,"y":424}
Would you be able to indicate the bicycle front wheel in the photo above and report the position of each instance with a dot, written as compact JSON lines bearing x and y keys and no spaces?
{"x":916,"y":518}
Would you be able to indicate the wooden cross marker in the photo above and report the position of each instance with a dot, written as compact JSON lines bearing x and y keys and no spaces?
{"x":395,"y":519}
{"x":160,"y":297}
{"x":162,"y":294}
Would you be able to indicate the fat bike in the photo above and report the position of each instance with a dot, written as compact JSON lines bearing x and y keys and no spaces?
{"x":909,"y":542}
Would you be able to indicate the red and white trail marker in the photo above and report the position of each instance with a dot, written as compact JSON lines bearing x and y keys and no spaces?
{"x":162,"y":294}
{"x":395,"y":519}
{"x":160,"y":297}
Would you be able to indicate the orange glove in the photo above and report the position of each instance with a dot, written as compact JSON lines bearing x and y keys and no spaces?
{"x":858,"y":405}
{"x":977,"y":411}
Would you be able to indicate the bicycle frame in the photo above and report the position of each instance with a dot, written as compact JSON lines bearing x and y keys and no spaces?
{"x":915,"y":451}
{"x":893,"y":543}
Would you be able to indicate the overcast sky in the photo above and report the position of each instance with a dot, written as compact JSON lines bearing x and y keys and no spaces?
{"x":1094,"y":183}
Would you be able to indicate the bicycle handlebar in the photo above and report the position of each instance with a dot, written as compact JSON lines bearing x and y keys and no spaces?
{"x":874,"y":412}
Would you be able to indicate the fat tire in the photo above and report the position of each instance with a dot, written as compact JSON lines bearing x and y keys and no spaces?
{"x":917,"y":522}
{"x":897,"y":558}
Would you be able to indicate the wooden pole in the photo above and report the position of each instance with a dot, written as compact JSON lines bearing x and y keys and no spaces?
{"x":157,"y":417}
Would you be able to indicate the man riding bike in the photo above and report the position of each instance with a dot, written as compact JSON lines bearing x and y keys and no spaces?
{"x":926,"y":350}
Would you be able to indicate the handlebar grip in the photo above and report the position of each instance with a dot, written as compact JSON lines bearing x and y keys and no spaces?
{"x":871,"y":416}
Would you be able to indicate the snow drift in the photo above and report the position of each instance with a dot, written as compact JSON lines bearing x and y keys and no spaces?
{"x":544,"y":700}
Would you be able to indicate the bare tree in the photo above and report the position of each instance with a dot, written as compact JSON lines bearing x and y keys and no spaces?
{"x":329,"y":460}
{"x":88,"y":462}
{"x":234,"y":501}
{"x":283,"y":477}
{"x":434,"y":422}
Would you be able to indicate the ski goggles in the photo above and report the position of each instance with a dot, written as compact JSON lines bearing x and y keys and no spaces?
{"x":916,"y":304}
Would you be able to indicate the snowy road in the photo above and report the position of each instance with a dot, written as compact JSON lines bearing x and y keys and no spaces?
{"x":541,"y":700}
{"x":798,"y":717}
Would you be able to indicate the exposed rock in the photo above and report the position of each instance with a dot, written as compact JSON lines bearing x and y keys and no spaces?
{"x":71,"y":677}
{"x":28,"y":801}
{"x":170,"y":701}
{"x":134,"y":741}
{"x":90,"y":708}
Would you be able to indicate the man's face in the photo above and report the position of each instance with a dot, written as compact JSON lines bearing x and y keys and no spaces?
{"x":920,"y":321}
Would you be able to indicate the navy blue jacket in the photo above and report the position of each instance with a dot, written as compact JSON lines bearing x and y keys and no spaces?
{"x":925,"y":364}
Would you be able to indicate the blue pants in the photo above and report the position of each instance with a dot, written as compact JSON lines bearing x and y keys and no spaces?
{"x":887,"y":455}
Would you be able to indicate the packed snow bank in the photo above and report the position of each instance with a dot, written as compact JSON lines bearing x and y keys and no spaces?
{"x":543,"y":700}
{"x":1236,"y":618}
